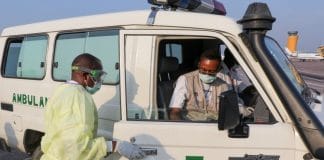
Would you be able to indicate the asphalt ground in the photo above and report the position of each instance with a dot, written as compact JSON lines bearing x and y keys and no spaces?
{"x":312,"y":72}
{"x":13,"y":155}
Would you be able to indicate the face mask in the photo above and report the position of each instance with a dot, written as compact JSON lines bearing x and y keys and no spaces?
{"x":94,"y":89}
{"x":205,"y":78}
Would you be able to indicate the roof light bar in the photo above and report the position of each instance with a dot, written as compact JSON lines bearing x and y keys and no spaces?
{"x":204,"y":6}
{"x":158,"y":2}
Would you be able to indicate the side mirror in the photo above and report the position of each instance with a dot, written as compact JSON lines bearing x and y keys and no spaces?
{"x":229,"y":114}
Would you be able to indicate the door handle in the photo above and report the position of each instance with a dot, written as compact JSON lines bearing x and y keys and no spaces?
{"x":7,"y":107}
{"x":256,"y":157}
{"x":149,"y":151}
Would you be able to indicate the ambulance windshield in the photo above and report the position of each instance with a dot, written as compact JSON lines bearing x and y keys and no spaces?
{"x":311,"y":97}
{"x":288,"y":68}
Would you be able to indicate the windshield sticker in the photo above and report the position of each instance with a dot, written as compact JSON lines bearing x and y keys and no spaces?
{"x":194,"y":158}
{"x":29,"y":100}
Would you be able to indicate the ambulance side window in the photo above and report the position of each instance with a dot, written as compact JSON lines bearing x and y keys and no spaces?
{"x":102,"y":44}
{"x":180,"y":56}
{"x":25,"y":57}
{"x":174,"y":50}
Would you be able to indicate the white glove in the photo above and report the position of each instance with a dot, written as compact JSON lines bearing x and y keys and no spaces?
{"x":246,"y":111}
{"x":129,"y":150}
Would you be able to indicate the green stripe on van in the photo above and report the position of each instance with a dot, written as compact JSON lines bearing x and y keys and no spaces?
{"x":194,"y":158}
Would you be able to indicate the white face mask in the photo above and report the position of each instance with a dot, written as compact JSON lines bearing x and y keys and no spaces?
{"x":207,"y":79}
{"x":96,"y":87}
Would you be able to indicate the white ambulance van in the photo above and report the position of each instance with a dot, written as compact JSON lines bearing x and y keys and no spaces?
{"x":144,"y":52}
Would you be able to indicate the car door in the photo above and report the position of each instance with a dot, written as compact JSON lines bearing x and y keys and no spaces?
{"x":165,"y":139}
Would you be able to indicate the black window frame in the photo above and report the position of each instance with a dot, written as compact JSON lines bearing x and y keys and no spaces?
{"x":6,"y":49}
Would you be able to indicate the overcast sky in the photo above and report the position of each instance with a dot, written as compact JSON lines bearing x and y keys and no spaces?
{"x":307,"y":17}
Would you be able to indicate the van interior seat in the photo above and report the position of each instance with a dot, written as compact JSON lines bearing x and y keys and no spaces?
{"x":166,"y":69}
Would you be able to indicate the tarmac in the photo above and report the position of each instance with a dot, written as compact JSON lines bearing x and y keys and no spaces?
{"x":13,"y":155}
{"x":312,"y":72}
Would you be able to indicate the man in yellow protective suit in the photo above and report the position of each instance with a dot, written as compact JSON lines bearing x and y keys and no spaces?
{"x":71,"y":118}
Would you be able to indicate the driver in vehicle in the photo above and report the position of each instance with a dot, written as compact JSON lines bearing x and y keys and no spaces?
{"x":196,"y":95}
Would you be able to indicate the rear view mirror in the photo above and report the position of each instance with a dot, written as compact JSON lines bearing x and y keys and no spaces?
{"x":229,"y":115}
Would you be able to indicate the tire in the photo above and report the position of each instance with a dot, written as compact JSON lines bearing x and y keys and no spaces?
{"x":37,"y":154}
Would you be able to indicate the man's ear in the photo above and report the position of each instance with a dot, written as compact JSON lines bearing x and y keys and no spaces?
{"x":85,"y":76}
{"x":219,"y":67}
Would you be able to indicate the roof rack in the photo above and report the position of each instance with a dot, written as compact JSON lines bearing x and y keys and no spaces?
{"x":201,"y":6}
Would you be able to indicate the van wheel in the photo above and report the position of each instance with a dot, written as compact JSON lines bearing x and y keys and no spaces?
{"x":37,"y":154}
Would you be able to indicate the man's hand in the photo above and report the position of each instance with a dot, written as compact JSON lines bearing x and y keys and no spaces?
{"x":246,"y":111}
{"x":129,"y":150}
{"x":175,"y":114}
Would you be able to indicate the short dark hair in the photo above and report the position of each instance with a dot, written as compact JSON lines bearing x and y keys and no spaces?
{"x":211,"y":54}
{"x":87,"y":60}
